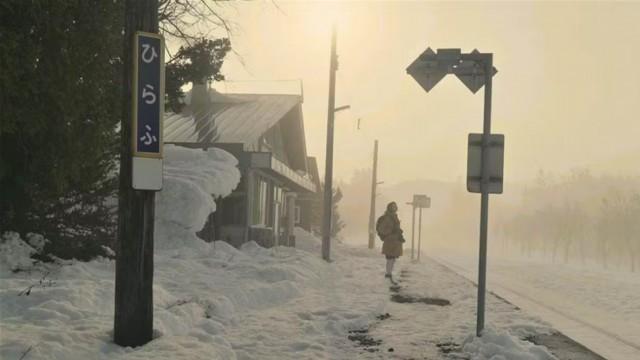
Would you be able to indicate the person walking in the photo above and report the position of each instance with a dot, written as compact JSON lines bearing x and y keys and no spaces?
{"x":389,"y":231}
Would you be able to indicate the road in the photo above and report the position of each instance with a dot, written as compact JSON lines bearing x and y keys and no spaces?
{"x":568,"y":301}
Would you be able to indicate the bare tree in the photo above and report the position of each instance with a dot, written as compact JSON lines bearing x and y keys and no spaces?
{"x":630,"y":210}
{"x":190,"y":20}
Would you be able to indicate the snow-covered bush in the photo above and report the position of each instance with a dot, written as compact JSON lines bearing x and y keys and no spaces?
{"x":15,"y":253}
{"x":37,"y":241}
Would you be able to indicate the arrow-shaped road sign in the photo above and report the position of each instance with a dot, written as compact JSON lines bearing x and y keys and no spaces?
{"x":430,"y":67}
{"x":425,"y":70}
{"x":471,"y":73}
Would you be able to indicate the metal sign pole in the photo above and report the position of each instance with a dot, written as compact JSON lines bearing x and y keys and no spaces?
{"x":413,"y":229}
{"x":428,"y":69}
{"x":419,"y":232}
{"x":484,"y":200}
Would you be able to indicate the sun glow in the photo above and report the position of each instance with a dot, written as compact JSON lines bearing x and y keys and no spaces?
{"x":322,"y":16}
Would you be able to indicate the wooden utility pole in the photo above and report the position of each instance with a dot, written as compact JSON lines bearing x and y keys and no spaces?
{"x":133,"y":318}
{"x":374,"y":183}
{"x":328,"y":174}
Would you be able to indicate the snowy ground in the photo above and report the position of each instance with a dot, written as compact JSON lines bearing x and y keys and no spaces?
{"x":212,"y":301}
{"x":255,"y":303}
{"x":598,"y":308}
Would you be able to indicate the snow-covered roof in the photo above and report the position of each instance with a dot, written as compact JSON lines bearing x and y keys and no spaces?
{"x":238,"y":118}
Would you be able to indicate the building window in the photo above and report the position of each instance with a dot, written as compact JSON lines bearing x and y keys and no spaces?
{"x":260,"y":202}
{"x":263,"y":203}
{"x":298,"y":214}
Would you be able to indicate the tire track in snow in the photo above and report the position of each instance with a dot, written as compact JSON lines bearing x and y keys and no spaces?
{"x":502,"y":289}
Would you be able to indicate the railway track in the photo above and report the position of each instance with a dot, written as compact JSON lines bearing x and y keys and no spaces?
{"x":606,"y":343}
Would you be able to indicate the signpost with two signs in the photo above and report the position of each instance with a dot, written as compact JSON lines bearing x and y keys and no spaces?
{"x":419,"y":202}
{"x":485,"y":151}
{"x":141,"y":177}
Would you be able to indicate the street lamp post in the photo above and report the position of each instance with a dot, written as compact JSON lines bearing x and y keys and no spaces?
{"x":475,"y":70}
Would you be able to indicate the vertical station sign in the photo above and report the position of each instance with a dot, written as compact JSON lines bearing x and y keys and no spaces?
{"x":148,"y":111}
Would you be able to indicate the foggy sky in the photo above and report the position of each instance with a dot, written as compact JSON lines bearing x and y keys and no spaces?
{"x":567,"y":93}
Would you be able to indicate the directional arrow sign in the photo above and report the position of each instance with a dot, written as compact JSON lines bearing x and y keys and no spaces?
{"x":471,"y":73}
{"x":425,"y":70}
{"x":430,"y":67}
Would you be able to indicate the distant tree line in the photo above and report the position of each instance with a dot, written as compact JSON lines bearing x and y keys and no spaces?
{"x":579,"y":218}
{"x":355,"y":205}
{"x":317,"y":211}
{"x":60,"y":107}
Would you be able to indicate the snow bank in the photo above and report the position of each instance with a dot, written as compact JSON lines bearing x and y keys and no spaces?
{"x":198,"y":300}
{"x":192,"y":178}
{"x":306,"y":241}
{"x":201,"y":290}
{"x":500,"y":345}
{"x":15,"y":254}
{"x":253,"y":303}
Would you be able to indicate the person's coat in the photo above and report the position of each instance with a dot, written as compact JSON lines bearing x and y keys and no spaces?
{"x":391,"y":235}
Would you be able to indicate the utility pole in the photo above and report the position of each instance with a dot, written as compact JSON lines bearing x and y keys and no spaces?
{"x":133,"y":316}
{"x":374,"y":183}
{"x":328,"y":174}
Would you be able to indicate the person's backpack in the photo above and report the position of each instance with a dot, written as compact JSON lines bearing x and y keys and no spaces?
{"x":378,"y":226}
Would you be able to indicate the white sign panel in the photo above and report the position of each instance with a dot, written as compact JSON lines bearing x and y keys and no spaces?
{"x":421,"y":201}
{"x":146,"y":173}
{"x":495,"y":166}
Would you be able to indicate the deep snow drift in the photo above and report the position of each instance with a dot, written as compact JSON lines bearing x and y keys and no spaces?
{"x":191,"y":178}
{"x":212,"y":301}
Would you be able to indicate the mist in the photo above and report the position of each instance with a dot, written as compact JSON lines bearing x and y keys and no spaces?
{"x":565,"y":97}
{"x":565,"y":218}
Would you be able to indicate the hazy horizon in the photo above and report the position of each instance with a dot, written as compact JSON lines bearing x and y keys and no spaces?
{"x":565,"y":95}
